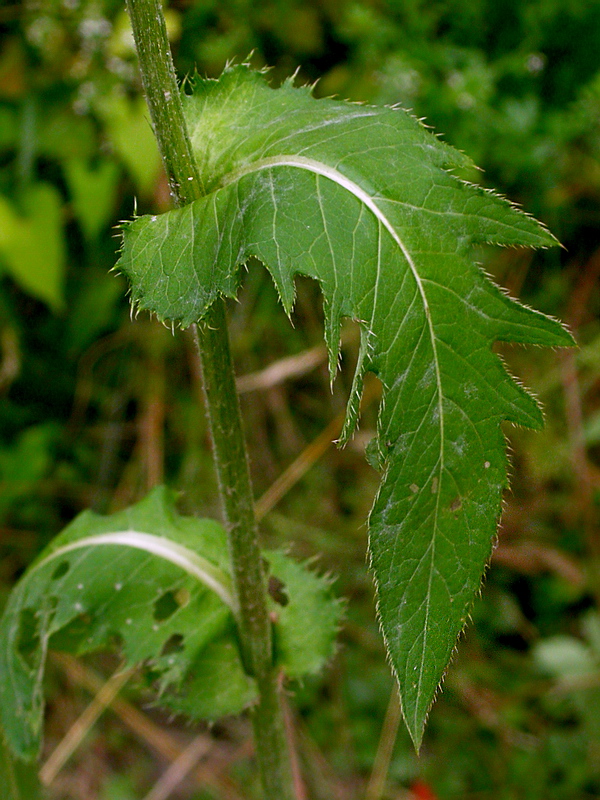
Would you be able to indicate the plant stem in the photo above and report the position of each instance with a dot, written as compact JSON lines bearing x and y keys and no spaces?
{"x":231,"y":461}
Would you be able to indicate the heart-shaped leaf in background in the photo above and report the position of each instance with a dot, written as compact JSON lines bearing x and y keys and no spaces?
{"x":32,"y":248}
{"x":93,"y":191}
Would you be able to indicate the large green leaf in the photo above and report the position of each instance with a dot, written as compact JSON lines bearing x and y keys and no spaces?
{"x":158,"y":584}
{"x":360,"y":198}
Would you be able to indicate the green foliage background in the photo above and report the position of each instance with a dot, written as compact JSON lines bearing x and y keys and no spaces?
{"x":96,"y":409}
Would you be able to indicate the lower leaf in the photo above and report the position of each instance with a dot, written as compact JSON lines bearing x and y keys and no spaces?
{"x":157,"y":584}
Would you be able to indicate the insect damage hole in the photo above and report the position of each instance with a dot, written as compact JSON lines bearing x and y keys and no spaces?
{"x":277,"y":591}
{"x":61,"y":570}
{"x":28,"y":640}
{"x":174,"y":644}
{"x":32,"y":623}
{"x":169,"y":602}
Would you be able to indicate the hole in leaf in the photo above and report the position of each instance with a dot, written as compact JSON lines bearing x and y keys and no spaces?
{"x":61,"y":570}
{"x":73,"y":637}
{"x":28,"y":640}
{"x":277,"y":591}
{"x":31,"y":625}
{"x":174,"y":644}
{"x":165,"y":606}
{"x":170,"y":602}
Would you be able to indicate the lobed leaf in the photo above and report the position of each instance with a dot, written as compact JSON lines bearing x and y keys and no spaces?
{"x":361,"y":199}
{"x":157,"y":583}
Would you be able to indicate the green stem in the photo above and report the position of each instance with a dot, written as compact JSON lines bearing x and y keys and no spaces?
{"x":231,"y":461}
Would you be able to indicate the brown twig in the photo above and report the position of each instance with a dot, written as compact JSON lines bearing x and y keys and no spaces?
{"x":10,"y":365}
{"x":385,"y":748}
{"x":585,"y":483}
{"x":531,"y":557}
{"x":323,"y":780}
{"x":85,"y":371}
{"x":298,"y":468}
{"x":282,"y":370}
{"x":81,"y":727}
{"x":300,"y":792}
{"x":163,"y":743}
{"x":179,"y":769}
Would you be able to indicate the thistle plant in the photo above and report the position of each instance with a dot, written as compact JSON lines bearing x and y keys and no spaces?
{"x":365,"y":201}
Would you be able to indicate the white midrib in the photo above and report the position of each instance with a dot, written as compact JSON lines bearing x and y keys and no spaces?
{"x":196,"y":566}
{"x":318,"y":168}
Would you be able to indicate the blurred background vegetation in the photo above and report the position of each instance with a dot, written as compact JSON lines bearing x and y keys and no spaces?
{"x":95,"y":409}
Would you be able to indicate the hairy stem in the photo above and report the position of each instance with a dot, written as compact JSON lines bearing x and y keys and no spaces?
{"x":231,"y":461}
